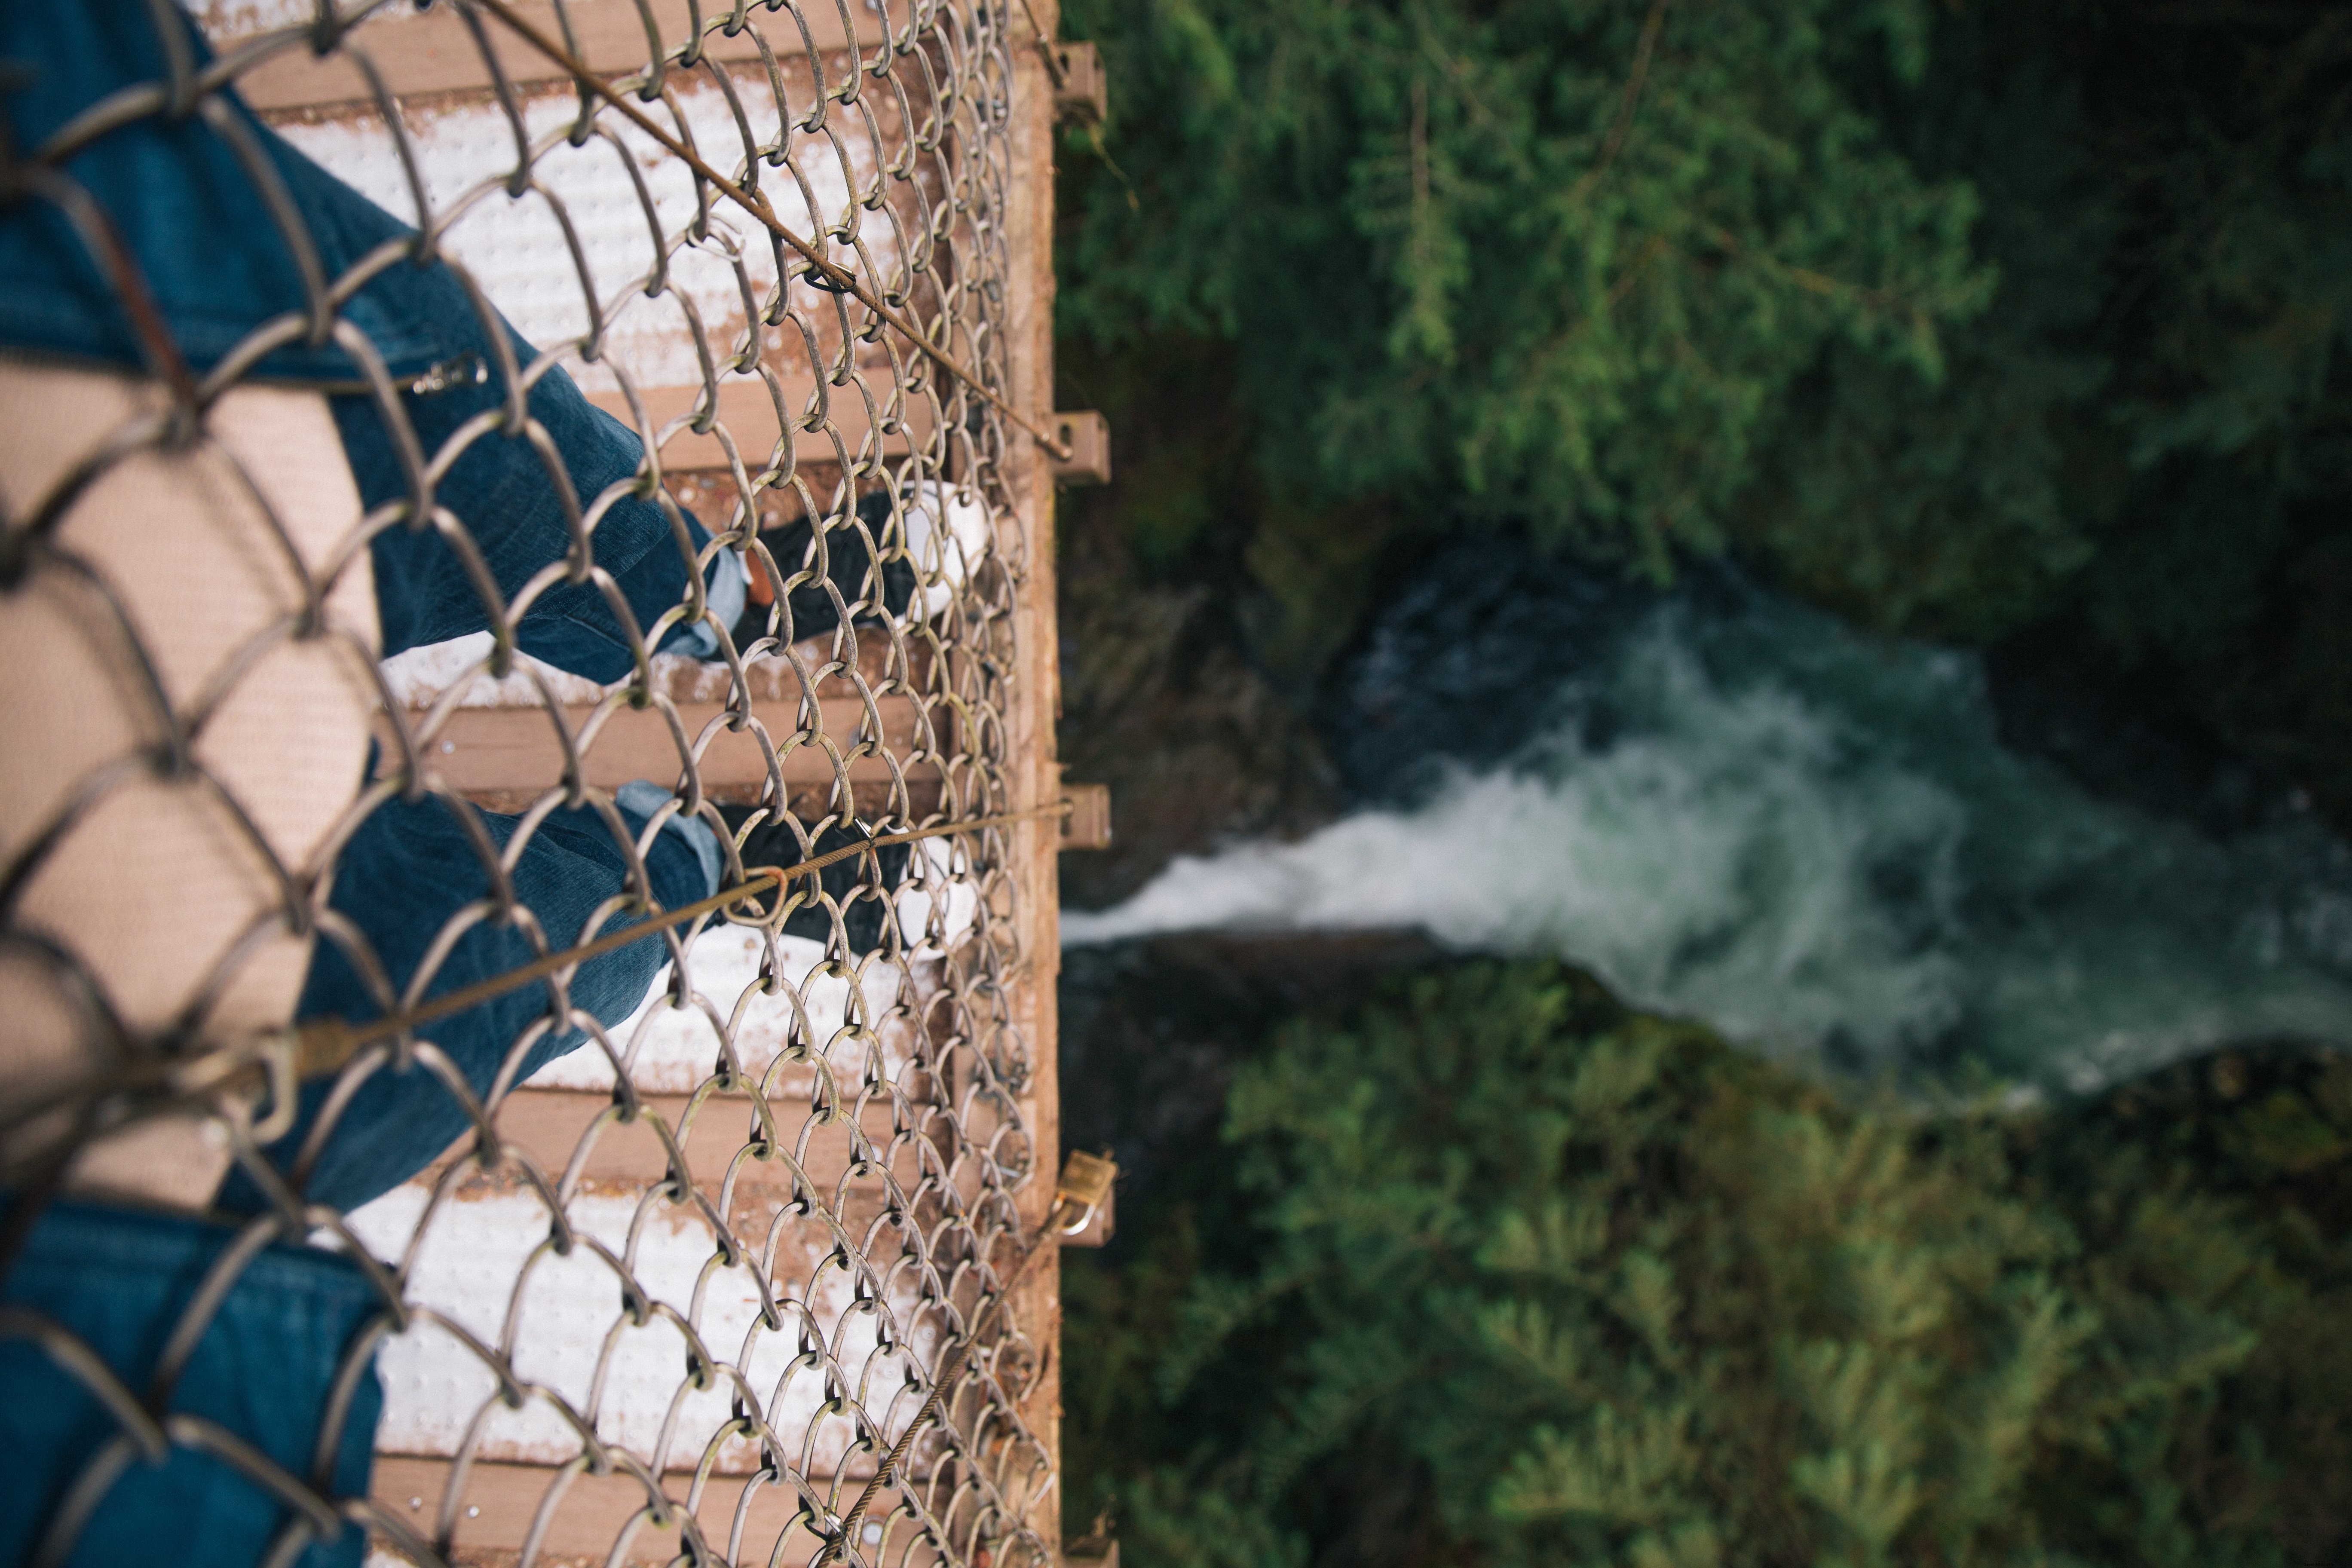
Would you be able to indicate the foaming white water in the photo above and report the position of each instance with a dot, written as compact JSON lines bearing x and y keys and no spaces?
{"x":1813,"y":840}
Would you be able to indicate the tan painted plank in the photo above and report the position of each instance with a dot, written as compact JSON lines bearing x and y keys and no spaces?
{"x":547,"y":1126}
{"x":1029,"y":297}
{"x":494,"y":751}
{"x":500,"y":1501}
{"x":748,"y":410}
{"x":434,"y":51}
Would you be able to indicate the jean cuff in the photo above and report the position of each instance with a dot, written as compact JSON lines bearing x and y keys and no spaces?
{"x":643,"y":798}
{"x":725,"y":592}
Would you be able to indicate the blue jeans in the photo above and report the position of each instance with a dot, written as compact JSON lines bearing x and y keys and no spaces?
{"x":212,"y":256}
{"x":265,"y":1369}
{"x":411,"y":873}
{"x":195,"y":227}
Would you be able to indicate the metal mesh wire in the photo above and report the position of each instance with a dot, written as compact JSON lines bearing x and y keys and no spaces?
{"x":675,"y":1294}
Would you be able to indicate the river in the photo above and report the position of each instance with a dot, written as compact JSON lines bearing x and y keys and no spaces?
{"x":1733,"y":807}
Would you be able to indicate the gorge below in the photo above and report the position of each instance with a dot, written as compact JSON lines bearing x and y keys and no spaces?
{"x":1876,"y":856}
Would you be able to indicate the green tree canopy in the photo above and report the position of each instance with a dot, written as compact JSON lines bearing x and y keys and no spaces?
{"x":1510,"y":1276}
{"x":1962,"y":319}
{"x":1550,"y":258}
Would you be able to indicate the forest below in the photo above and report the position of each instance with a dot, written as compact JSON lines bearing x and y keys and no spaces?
{"x":1491,"y":1269}
{"x":2017,"y":329}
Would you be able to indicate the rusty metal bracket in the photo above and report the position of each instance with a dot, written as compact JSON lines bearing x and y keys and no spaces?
{"x":1086,"y":826}
{"x":1086,"y":1180}
{"x":1081,"y":91}
{"x":1085,"y":435}
{"x":1102,"y":1224}
{"x":1087,"y":1187}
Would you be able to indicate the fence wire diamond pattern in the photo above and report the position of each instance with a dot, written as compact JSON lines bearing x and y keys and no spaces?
{"x":528,"y":466}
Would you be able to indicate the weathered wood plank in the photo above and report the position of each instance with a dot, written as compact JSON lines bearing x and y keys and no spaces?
{"x":435,"y":52}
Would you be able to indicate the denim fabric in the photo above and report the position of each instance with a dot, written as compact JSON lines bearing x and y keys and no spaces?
{"x":203,"y":239}
{"x":186,"y":210}
{"x":264,"y":1370}
{"x":191,"y":219}
{"x":406,"y":869}
{"x":640,"y":800}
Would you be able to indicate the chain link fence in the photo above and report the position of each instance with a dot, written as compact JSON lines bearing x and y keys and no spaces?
{"x":527,"y":959}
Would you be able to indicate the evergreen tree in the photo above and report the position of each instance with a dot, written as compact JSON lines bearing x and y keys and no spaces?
{"x":1557,"y":259}
{"x":1503,"y":1274}
{"x":1963,"y":319}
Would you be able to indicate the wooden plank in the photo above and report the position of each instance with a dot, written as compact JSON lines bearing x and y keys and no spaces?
{"x":1029,"y":482}
{"x":548,"y":1124}
{"x":501,"y":1500}
{"x":515,"y":751}
{"x":435,"y":52}
{"x":748,"y":409}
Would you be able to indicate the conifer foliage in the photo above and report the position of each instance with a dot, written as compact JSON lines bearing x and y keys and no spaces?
{"x":1966,"y":319}
{"x":1503,"y":1274}
{"x":1457,"y":270}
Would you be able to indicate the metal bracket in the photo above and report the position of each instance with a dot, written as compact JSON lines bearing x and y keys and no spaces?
{"x":1102,"y":1224}
{"x":1086,"y":1184}
{"x":1088,"y":436}
{"x":1082,"y":95}
{"x":1086,"y":825}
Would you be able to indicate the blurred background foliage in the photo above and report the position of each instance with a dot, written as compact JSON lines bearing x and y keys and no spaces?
{"x":2014,"y":324}
{"x":2017,"y":323}
{"x":1491,"y":1270}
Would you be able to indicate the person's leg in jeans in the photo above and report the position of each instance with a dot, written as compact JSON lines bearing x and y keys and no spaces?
{"x":193,"y":223}
{"x":410,"y":866}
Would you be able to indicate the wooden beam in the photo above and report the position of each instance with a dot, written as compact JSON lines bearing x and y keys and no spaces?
{"x":435,"y":52}
{"x":511,"y":751}
{"x":547,"y":1124}
{"x":748,"y":409}
{"x":502,"y":1499}
{"x":1029,"y":484}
